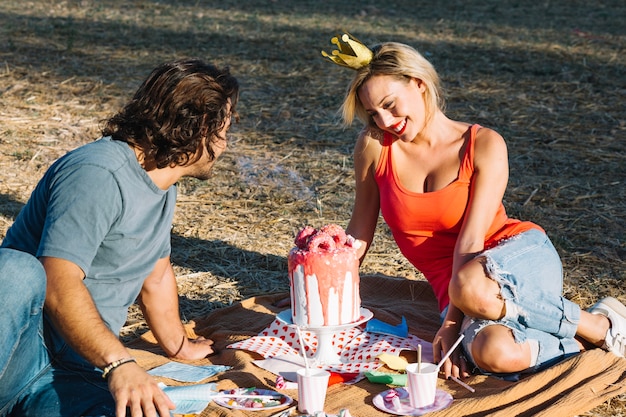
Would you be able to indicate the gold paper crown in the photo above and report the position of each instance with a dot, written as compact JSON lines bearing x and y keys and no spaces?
{"x":351,"y":53}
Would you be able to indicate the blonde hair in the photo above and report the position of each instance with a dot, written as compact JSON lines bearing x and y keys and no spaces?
{"x":402,"y":62}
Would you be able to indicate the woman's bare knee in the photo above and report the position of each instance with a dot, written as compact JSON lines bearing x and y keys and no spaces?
{"x":474,"y":293}
{"x":495,"y":350}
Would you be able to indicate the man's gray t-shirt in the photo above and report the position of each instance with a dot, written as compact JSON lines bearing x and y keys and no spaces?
{"x":98,"y":208}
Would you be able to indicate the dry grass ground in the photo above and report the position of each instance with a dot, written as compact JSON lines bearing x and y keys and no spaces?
{"x":550,"y":76}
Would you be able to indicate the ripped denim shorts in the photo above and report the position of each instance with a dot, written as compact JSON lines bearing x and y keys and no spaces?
{"x":529,"y":271}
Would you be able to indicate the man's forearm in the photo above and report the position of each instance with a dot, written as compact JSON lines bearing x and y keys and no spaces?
{"x":159,"y":303}
{"x":74,"y":314}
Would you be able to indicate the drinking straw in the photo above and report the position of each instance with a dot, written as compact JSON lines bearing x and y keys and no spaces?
{"x":419,"y":358}
{"x":306,"y":362}
{"x":463,"y":384}
{"x":450,"y":351}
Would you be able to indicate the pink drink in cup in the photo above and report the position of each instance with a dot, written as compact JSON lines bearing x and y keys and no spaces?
{"x":422,"y":386}
{"x":312,"y":385}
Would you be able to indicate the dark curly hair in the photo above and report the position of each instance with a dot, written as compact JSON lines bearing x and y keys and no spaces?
{"x":180,"y":107}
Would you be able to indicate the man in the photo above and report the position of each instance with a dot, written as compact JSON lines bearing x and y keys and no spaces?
{"x":93,"y":238}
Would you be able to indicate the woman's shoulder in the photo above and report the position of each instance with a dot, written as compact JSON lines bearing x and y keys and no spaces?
{"x":370,"y":139}
{"x":372,"y":133}
{"x":368,"y":148}
{"x":486,"y":136}
{"x":485,"y":133}
{"x":489,"y":144}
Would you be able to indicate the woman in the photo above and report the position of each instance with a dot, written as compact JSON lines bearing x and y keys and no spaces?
{"x":439,"y":185}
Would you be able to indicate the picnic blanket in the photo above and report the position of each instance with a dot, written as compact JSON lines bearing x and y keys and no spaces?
{"x":573,"y":386}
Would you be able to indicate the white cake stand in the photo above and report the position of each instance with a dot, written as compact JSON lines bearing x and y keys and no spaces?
{"x":325,"y":354}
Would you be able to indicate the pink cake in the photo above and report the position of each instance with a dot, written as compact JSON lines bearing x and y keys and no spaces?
{"x":324,"y":278}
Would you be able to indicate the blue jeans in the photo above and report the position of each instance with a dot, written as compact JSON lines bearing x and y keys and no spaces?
{"x":529,"y":272}
{"x":39,"y":374}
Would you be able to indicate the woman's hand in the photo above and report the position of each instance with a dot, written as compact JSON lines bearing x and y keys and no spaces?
{"x":455,"y":365}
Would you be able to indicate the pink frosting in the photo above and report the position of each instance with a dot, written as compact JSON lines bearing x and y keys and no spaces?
{"x":327,"y":256}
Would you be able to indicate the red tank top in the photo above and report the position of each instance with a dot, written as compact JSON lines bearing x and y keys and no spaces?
{"x":426,"y":225}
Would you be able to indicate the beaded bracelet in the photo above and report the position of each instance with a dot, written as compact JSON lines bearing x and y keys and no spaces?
{"x":110,"y":367}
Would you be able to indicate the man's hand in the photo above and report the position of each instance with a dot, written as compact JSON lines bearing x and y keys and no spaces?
{"x":192,"y":349}
{"x":136,"y":390}
{"x":83,"y":328}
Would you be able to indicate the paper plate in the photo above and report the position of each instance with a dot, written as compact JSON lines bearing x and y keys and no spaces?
{"x":442,"y":400}
{"x":248,"y":402}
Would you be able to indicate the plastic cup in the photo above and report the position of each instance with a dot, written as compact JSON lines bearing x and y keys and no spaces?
{"x":312,"y":385}
{"x":422,"y":386}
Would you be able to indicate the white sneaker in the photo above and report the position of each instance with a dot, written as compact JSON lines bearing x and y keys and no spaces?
{"x":615,"y":340}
